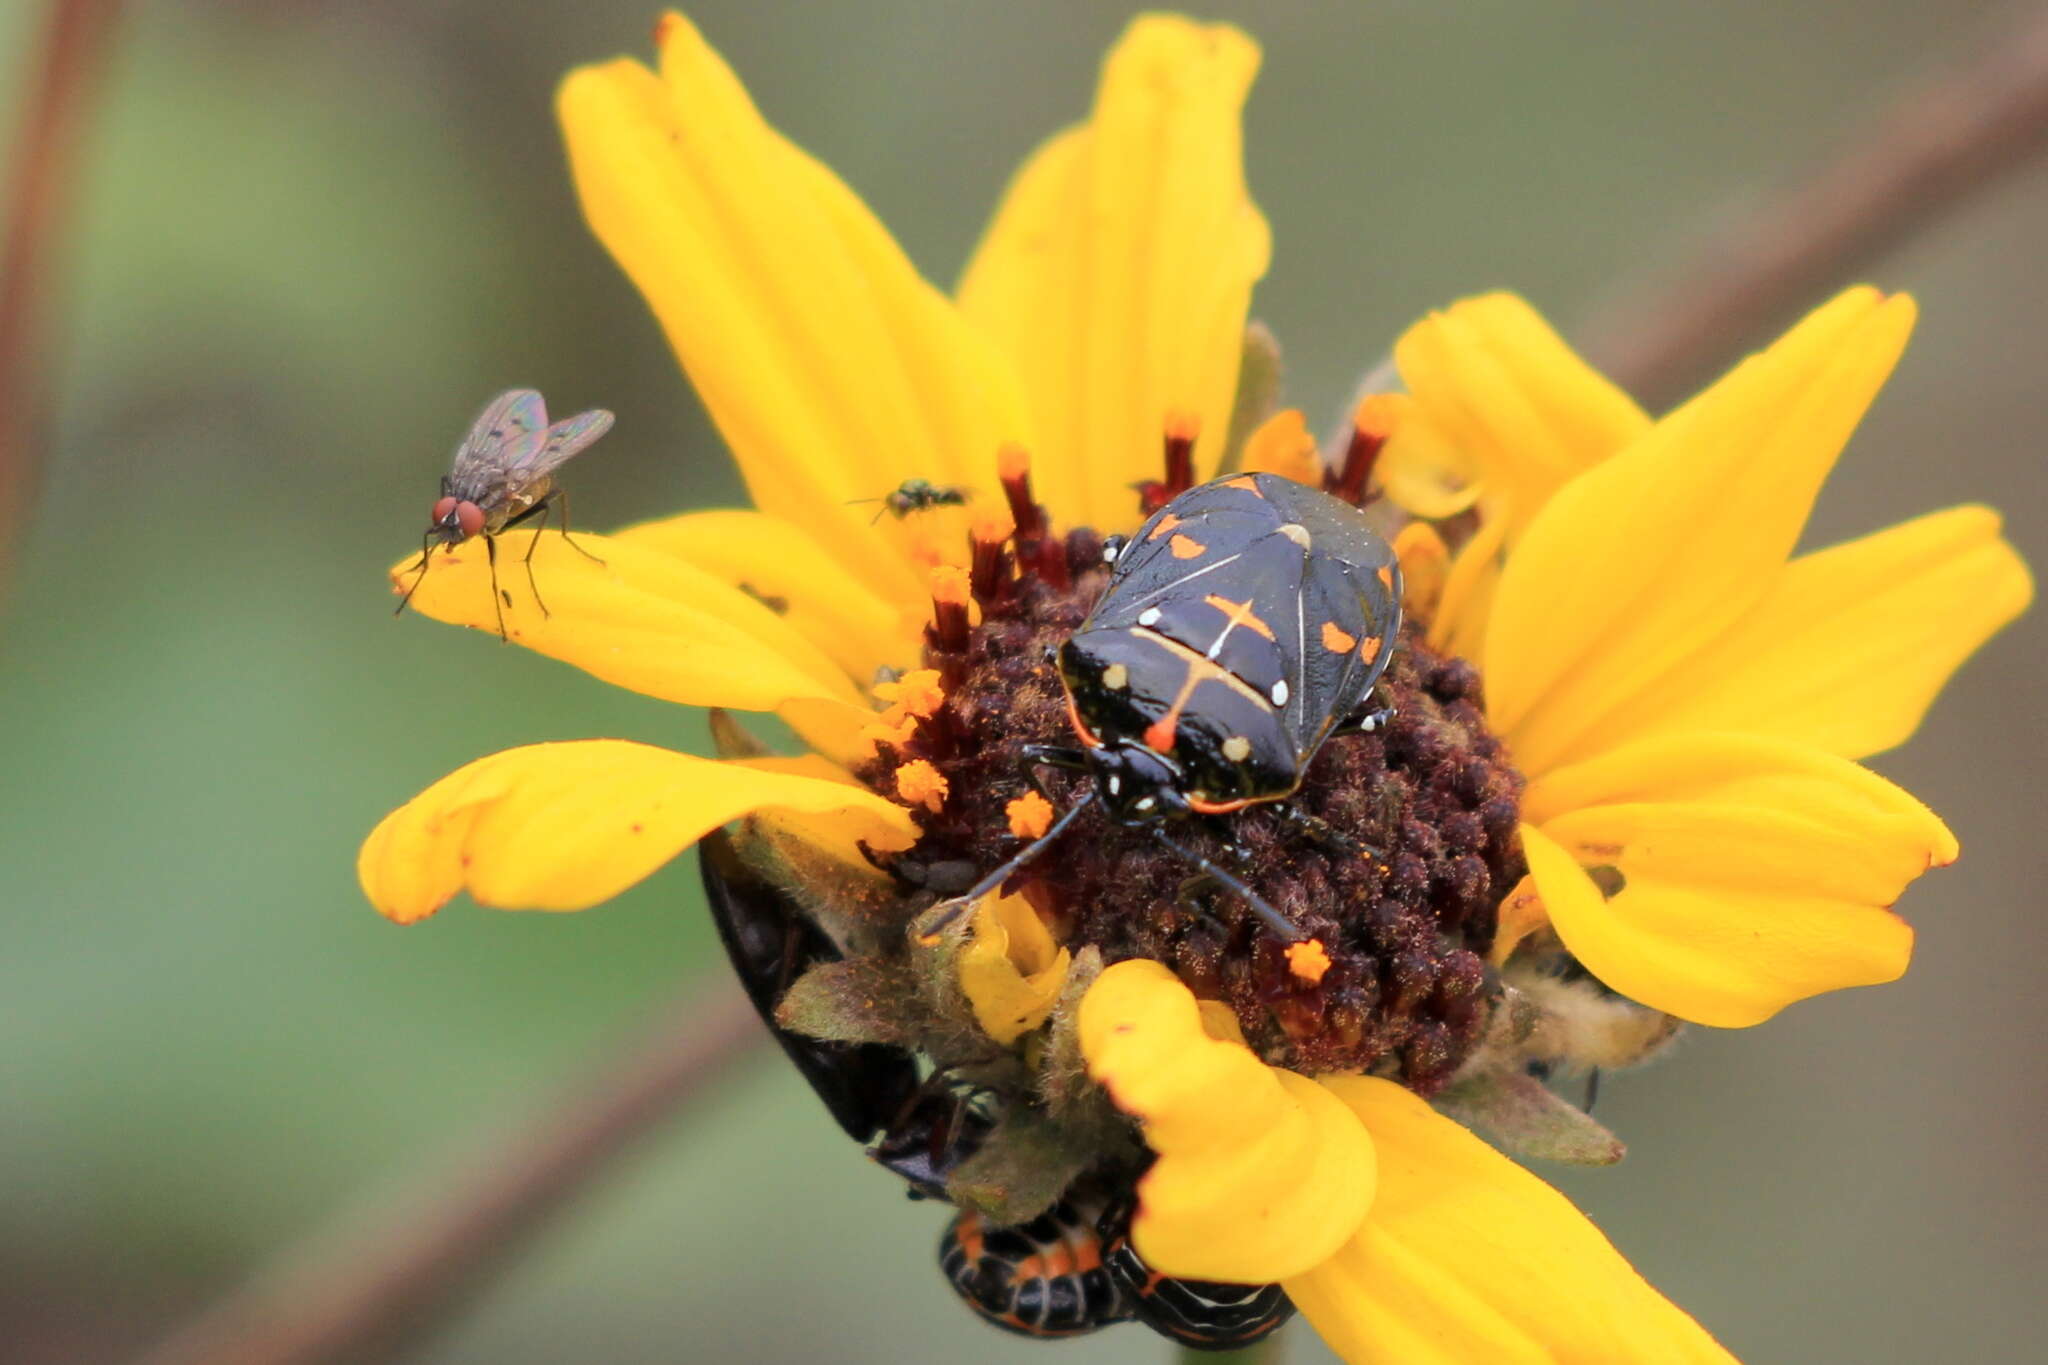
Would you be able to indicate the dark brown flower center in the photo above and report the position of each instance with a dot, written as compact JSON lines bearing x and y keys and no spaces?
{"x":1402,"y":889}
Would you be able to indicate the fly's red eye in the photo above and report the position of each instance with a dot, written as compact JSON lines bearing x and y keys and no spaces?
{"x":442,"y":509}
{"x":469,"y":517}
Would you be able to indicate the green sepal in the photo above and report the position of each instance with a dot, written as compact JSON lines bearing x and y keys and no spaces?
{"x":1024,"y":1165}
{"x":1527,"y":1119}
{"x":860,"y":1000}
{"x":1258,"y":389}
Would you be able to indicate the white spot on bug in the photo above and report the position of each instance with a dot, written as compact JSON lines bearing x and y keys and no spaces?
{"x":1116,"y":677}
{"x":1109,"y":551}
{"x":1116,"y":784}
{"x":1297,"y":533}
{"x":1146,"y":803}
{"x":1149,"y":617}
{"x":1237,"y":748}
{"x":1280,"y":693}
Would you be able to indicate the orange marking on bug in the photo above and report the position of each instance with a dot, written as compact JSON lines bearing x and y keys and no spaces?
{"x":1030,"y":815}
{"x":1081,"y":730}
{"x":1386,"y":577}
{"x":1370,"y":647}
{"x":1309,"y":960}
{"x":1160,"y":734}
{"x":1240,"y":614}
{"x":1166,"y":523}
{"x":1246,"y":483}
{"x":1185,"y":547}
{"x":1336,"y":639}
{"x":968,"y":1230}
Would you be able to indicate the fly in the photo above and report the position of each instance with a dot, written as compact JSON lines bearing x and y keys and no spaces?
{"x":503,"y":476}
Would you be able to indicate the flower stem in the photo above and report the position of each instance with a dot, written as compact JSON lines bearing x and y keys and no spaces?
{"x":361,"y":1290}
{"x":60,"y":74}
{"x":1918,"y":158}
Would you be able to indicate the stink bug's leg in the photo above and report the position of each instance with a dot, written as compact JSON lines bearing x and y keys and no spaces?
{"x":1325,"y":833}
{"x":1279,"y":922}
{"x":994,"y":880}
{"x":1365,"y":722}
{"x":497,"y":594}
{"x":1038,"y":756}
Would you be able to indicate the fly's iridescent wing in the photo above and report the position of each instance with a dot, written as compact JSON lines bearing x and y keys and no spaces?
{"x":511,"y":430}
{"x":560,"y":442}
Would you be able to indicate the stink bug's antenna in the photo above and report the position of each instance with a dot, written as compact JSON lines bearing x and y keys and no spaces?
{"x":1280,"y":924}
{"x":962,"y":903}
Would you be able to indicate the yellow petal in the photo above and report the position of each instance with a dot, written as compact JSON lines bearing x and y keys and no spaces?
{"x":1850,"y":645}
{"x":779,"y":564}
{"x":1119,"y":269}
{"x":1261,"y":1173}
{"x":1282,"y":445}
{"x":1467,"y":1258}
{"x":634,"y":616}
{"x":1755,"y":873}
{"x":833,"y":371}
{"x":1424,"y":468}
{"x":566,"y":826}
{"x":1643,"y":561}
{"x":1503,"y":388}
{"x":1011,"y":973}
{"x":1462,"y":613}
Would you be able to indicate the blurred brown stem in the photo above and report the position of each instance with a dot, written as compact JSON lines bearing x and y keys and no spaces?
{"x":360,"y":1292}
{"x":63,"y":73}
{"x":1917,"y":159}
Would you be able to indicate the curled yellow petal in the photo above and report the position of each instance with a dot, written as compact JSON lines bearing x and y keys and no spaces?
{"x":1012,"y":972}
{"x":566,"y":826}
{"x":1261,"y":1173}
{"x":1495,"y":384}
{"x":631,"y":616}
{"x":1849,"y":647}
{"x":1423,"y":467}
{"x":1467,"y":1257}
{"x":833,"y":371}
{"x":1119,"y":269}
{"x":1645,"y":560}
{"x":1282,"y":445}
{"x":1727,"y":913}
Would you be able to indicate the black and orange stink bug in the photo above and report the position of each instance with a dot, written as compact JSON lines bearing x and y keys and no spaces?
{"x":1244,"y":625}
{"x":1068,"y":1271}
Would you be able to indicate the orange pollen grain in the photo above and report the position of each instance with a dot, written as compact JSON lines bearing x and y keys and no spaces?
{"x":949,"y":585}
{"x":1336,"y":639}
{"x":1013,"y":462}
{"x":919,"y":783}
{"x":1377,"y":414}
{"x":1030,"y":815}
{"x":918,"y":692}
{"x":894,"y":726}
{"x":1310,"y":960}
{"x":1184,"y":547}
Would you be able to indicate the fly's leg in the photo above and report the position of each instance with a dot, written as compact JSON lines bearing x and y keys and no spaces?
{"x":561,"y":495}
{"x":497,"y":593}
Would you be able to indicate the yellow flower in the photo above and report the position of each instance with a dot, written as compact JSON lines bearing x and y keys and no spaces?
{"x":1684,"y":698}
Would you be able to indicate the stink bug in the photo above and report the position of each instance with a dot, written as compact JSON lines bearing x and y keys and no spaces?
{"x":503,"y":475}
{"x":1050,"y":1277}
{"x":1204,"y":1314}
{"x":1243,"y":625}
{"x":916,"y":495}
{"x":1044,"y":1278}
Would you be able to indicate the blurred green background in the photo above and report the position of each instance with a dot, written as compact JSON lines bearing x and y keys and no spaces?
{"x":313,"y":237}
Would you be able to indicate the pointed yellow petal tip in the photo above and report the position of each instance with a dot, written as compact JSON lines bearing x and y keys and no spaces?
{"x":1261,"y":1173}
{"x":567,"y":826}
